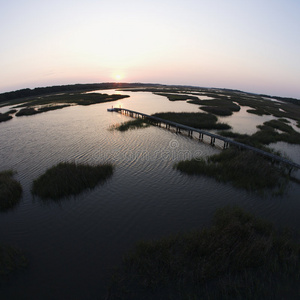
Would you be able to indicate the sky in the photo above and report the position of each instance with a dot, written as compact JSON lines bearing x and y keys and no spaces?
{"x":250,"y":45}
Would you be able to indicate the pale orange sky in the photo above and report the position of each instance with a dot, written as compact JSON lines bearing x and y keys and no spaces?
{"x":247,"y":45}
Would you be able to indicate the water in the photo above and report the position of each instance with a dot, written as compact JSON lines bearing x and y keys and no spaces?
{"x":74,"y":245}
{"x":244,"y":122}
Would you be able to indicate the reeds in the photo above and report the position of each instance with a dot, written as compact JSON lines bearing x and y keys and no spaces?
{"x":32,"y":111}
{"x":196,"y":120}
{"x":74,"y":98}
{"x":244,"y":169}
{"x":238,"y":257}
{"x":7,"y":116}
{"x":4,"y":117}
{"x":51,"y":102}
{"x":177,"y":97}
{"x":270,"y":132}
{"x":219,"y":107}
{"x":10,"y":190}
{"x":219,"y":111}
{"x":132,"y":124}
{"x":67,"y":179}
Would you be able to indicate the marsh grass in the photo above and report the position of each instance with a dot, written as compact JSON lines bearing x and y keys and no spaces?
{"x":11,"y":259}
{"x":10,"y":191}
{"x":259,"y":112}
{"x":73,"y":98}
{"x":284,"y":120}
{"x":220,"y":107}
{"x":260,"y":106}
{"x":267,"y":134}
{"x":132,"y":124}
{"x":177,"y":97}
{"x":245,"y":139}
{"x":219,"y":111}
{"x":244,"y":169}
{"x":238,"y":257}
{"x":67,"y":179}
{"x":53,"y":102}
{"x":196,"y":120}
{"x":5,"y":117}
{"x":32,"y":111}
{"x":26,"y":112}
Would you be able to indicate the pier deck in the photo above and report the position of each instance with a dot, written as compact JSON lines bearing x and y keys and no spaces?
{"x":213,"y":137}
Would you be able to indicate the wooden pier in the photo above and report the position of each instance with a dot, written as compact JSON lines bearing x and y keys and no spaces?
{"x":201,"y":133}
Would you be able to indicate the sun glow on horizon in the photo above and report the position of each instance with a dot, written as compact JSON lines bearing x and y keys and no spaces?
{"x":118,"y":77}
{"x":243,"y":46}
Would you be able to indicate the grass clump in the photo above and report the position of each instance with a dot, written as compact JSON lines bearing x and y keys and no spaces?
{"x":219,"y":111}
{"x":4,"y":117}
{"x":177,"y":97}
{"x":244,"y":169}
{"x":11,"y":259}
{"x":132,"y":124}
{"x":270,"y":132}
{"x":32,"y":111}
{"x":73,"y":98}
{"x":67,"y":179}
{"x":53,"y":102}
{"x":238,"y":257}
{"x":196,"y":120}
{"x":10,"y":191}
{"x":220,"y":107}
{"x":259,"y":112}
{"x":26,"y":112}
{"x":7,"y":116}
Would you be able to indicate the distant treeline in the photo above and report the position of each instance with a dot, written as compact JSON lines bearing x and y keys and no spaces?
{"x":284,"y":99}
{"x":62,"y":89}
{"x":24,"y":93}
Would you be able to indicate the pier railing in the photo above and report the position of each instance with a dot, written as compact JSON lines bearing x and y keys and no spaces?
{"x":213,"y":137}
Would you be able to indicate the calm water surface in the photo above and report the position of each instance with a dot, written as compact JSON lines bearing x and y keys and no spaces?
{"x":74,"y":245}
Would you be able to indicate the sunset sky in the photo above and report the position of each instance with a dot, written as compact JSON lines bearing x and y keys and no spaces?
{"x":252,"y":45}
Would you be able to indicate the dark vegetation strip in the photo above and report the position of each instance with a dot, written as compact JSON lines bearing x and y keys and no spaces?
{"x":283,"y":99}
{"x":7,"y":116}
{"x":50,"y":102}
{"x":196,"y":120}
{"x":32,"y":111}
{"x":267,"y":134}
{"x":40,"y":91}
{"x":73,"y":98}
{"x":67,"y":179}
{"x":132,"y":124}
{"x":259,"y":112}
{"x":238,"y":257}
{"x":10,"y":191}
{"x":220,"y":107}
{"x":244,"y":169}
{"x":177,"y":97}
{"x":219,"y":111}
{"x":260,"y":104}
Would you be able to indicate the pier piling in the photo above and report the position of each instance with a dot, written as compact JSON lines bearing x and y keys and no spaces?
{"x":213,"y":137}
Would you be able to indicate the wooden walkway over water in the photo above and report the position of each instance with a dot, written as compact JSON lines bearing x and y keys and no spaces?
{"x":201,"y":133}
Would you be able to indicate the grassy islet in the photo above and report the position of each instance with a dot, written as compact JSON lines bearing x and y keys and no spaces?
{"x":67,"y":179}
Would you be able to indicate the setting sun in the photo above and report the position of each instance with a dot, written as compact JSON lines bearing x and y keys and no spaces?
{"x":118,"y":77}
